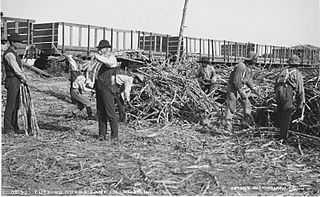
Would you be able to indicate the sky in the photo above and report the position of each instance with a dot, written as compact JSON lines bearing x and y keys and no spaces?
{"x":273,"y":22}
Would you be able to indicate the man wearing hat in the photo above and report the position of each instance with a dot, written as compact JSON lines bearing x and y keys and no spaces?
{"x":240,"y":76}
{"x":106,"y":91}
{"x":14,"y":77}
{"x":206,"y":75}
{"x":287,"y":84}
{"x":124,"y":84}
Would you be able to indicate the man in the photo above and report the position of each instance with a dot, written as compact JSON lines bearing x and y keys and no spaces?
{"x":206,"y":75}
{"x":4,"y":46}
{"x":77,"y":89}
{"x":240,"y":76}
{"x":124,"y":84}
{"x":287,"y":84}
{"x":106,"y":91}
{"x":14,"y":77}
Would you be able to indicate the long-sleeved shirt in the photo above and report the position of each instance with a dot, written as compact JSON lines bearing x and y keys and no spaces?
{"x":80,"y":83}
{"x":125,"y":83}
{"x":294,"y":78}
{"x":240,"y":76}
{"x":207,"y":73}
{"x":108,"y":59}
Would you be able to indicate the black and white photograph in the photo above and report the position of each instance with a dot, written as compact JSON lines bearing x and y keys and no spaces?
{"x":160,"y":98}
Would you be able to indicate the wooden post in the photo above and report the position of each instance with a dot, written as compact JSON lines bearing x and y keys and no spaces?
{"x":124,"y":41}
{"x":28,"y":32}
{"x":236,"y":52}
{"x":208,"y":48}
{"x":224,"y":51}
{"x":155,"y":43}
{"x":167,"y":48}
{"x":200,"y":49}
{"x":80,"y":37}
{"x":187,"y":45}
{"x":117,"y":40}
{"x":212,"y":50}
{"x":131,"y":39}
{"x":181,"y":29}
{"x":16,"y":27}
{"x":95,"y":37}
{"x":144,"y":41}
{"x":229,"y":49}
{"x":111,"y":38}
{"x":138,"y":39}
{"x":71,"y":36}
{"x":265,"y":53}
{"x":88,"y":47}
{"x":104,"y":33}
{"x":150,"y":46}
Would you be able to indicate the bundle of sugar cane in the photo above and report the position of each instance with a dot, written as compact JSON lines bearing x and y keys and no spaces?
{"x":29,"y":120}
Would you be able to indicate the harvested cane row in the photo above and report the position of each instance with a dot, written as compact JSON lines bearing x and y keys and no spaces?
{"x":169,"y":94}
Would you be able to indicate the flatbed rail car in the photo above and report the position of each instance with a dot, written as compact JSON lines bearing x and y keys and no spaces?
{"x":62,"y":37}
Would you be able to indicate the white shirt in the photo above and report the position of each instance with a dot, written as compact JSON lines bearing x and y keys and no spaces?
{"x":125,"y":82}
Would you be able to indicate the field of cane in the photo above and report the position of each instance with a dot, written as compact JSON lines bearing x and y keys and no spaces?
{"x":174,"y":145}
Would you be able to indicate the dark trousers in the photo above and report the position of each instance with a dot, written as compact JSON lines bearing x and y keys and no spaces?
{"x":284,"y":98}
{"x":106,"y":111}
{"x":12,"y":84}
{"x":121,"y":108}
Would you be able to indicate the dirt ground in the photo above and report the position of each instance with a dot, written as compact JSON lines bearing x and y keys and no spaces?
{"x":173,"y":159}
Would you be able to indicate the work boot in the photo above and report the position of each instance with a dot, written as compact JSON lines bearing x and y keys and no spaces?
{"x":90,"y":114}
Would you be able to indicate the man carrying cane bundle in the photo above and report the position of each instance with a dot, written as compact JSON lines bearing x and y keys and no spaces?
{"x":106,"y":91}
{"x":14,"y":77}
{"x":287,"y":84}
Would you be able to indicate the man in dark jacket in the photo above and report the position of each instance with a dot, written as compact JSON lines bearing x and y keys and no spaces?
{"x":14,"y":77}
{"x":287,"y":84}
{"x":106,"y":91}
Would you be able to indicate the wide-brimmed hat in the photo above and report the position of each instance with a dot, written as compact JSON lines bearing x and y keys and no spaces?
{"x":104,"y":44}
{"x":14,"y":37}
{"x":204,"y":59}
{"x":252,"y":56}
{"x":294,"y":60}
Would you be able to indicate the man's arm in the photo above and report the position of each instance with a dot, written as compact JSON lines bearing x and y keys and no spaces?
{"x":214,"y":75}
{"x":11,"y":59}
{"x":128,"y":81}
{"x":110,"y":60}
{"x":300,"y":96}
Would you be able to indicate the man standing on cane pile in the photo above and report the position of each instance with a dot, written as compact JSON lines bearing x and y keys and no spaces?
{"x":240,"y":76}
{"x":106,"y":91}
{"x":287,"y":84}
{"x":14,"y":77}
{"x":206,"y":75}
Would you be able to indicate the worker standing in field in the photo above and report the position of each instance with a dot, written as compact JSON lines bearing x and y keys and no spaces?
{"x":287,"y":84}
{"x":14,"y":77}
{"x":206,"y":74}
{"x":124,"y":84}
{"x":106,"y":91}
{"x":240,"y":76}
